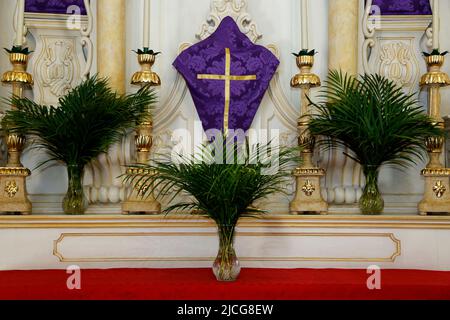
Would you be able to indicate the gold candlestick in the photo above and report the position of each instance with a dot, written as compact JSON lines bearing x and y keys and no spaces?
{"x":437,"y":177}
{"x":308,"y":197}
{"x":13,"y":192}
{"x":136,"y":203}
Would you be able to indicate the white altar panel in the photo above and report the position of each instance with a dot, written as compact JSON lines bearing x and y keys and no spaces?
{"x":252,"y":246}
{"x":391,"y":242}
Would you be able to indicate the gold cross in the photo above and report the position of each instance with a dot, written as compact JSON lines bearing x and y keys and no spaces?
{"x":227,"y":77}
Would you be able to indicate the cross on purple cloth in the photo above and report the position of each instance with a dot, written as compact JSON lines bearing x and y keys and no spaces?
{"x":250,"y":70}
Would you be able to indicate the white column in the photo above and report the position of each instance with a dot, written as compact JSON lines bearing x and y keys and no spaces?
{"x":111,"y":42}
{"x":343,"y":54}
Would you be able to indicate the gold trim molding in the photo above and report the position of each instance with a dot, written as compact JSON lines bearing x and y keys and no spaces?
{"x":190,"y":221}
{"x":23,"y":172}
{"x":391,"y":236}
{"x":438,"y":172}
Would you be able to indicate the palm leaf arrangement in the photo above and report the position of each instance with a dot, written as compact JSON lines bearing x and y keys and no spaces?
{"x":88,"y":120}
{"x":223,"y":180}
{"x":380,"y":125}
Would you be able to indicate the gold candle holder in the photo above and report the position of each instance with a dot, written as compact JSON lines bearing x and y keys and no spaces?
{"x":308,"y":197}
{"x":13,"y":192}
{"x":437,"y":177}
{"x":137,"y":202}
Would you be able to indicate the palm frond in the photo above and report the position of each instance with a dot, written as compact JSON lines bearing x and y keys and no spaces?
{"x":86,"y":122}
{"x":222,"y":190}
{"x":373,"y":118}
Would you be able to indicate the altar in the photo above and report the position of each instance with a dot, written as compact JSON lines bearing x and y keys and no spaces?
{"x":72,"y":43}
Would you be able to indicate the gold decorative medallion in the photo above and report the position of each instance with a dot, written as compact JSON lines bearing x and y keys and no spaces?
{"x":11,"y":189}
{"x":439,"y":189}
{"x":142,"y":189}
{"x":308,"y":188}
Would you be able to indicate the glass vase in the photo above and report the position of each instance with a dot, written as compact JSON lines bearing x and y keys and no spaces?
{"x":73,"y":202}
{"x":371,"y":201}
{"x":226,"y":267}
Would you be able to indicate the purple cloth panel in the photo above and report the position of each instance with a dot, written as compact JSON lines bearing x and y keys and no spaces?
{"x":208,"y":57}
{"x":53,"y":6}
{"x":404,"y":7}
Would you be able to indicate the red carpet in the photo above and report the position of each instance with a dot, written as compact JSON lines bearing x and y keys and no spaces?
{"x":200,"y":284}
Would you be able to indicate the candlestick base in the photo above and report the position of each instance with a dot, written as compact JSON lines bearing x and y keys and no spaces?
{"x":140,"y":201}
{"x":437,"y":192}
{"x":13,"y":192}
{"x":308,"y":197}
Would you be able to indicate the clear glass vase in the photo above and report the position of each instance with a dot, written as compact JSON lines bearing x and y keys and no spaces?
{"x":371,"y":202}
{"x":226,"y":267}
{"x":74,"y":202}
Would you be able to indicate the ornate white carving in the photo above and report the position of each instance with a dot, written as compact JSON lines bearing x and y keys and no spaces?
{"x":237,"y":9}
{"x":86,"y":40}
{"x":369,"y":28}
{"x":57,"y":68}
{"x":429,"y":37}
{"x":399,"y":63}
{"x":58,"y":59}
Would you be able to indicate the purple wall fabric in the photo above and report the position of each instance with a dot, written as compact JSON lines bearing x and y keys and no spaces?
{"x":208,"y":57}
{"x":53,"y":6}
{"x":404,"y":7}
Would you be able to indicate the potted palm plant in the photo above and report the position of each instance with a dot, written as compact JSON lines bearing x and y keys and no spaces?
{"x":220,"y":189}
{"x":88,"y":120}
{"x":377,"y":122}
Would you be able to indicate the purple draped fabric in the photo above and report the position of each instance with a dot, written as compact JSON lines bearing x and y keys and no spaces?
{"x":53,"y":6}
{"x":251,"y":69}
{"x":404,"y":7}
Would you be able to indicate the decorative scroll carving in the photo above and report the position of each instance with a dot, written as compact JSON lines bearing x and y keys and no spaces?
{"x":86,"y":40}
{"x":398,"y":63}
{"x":369,"y":29}
{"x":57,"y":70}
{"x":237,"y":9}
